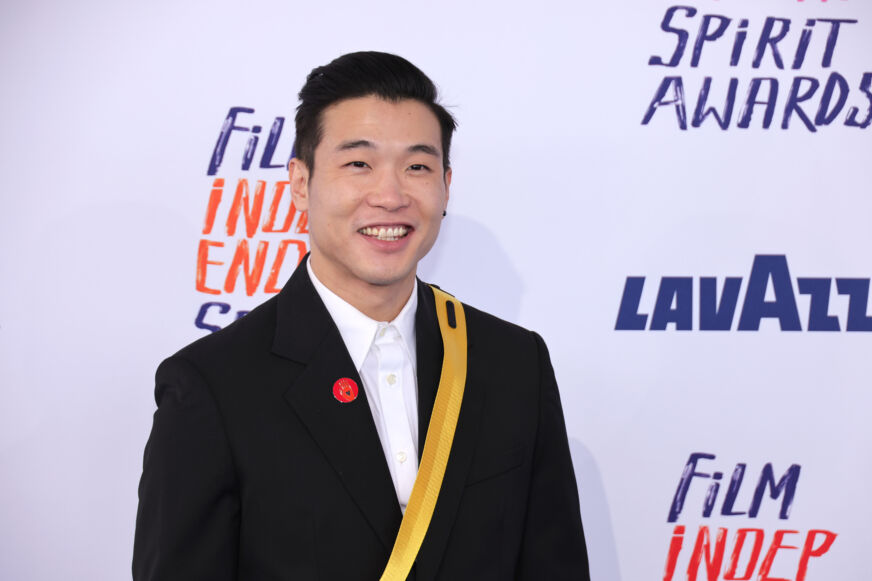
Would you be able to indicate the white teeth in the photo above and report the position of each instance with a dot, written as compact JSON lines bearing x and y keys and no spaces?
{"x":383,"y":233}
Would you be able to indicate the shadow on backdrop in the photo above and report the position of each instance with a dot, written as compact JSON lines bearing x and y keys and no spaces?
{"x":468,"y":262}
{"x":598,"y":533}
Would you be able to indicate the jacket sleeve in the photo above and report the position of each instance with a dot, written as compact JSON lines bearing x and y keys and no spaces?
{"x":553,"y":545}
{"x":187,"y":524}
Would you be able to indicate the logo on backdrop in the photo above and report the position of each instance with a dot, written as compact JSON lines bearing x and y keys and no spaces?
{"x":789,"y":100}
{"x":788,"y":552}
{"x":769,"y":294}
{"x":253,"y":236}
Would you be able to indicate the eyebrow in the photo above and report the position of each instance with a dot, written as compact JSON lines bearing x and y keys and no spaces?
{"x":364,"y":143}
{"x":424,"y":148}
{"x":357,"y":143}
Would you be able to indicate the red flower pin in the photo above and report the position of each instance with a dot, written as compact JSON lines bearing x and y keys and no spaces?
{"x":345,"y":389}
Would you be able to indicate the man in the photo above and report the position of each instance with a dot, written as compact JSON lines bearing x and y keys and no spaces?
{"x":286,"y":446}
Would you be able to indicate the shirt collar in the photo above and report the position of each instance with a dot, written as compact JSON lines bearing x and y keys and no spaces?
{"x":357,"y":330}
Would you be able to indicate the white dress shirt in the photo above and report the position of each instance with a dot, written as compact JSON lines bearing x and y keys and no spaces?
{"x":384,"y":354}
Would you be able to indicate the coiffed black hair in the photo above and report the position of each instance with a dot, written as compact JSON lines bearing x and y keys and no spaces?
{"x":361,"y":74}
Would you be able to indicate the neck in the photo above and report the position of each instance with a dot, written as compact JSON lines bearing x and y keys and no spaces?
{"x":378,"y":302}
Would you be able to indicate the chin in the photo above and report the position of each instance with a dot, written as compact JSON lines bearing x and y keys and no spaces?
{"x":387,"y":277}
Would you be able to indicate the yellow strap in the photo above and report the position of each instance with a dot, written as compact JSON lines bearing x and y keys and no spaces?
{"x":440,"y":435}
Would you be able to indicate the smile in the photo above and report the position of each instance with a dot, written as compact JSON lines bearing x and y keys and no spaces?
{"x":385,"y":233}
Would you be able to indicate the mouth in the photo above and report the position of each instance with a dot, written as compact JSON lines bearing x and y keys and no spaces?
{"x":386,"y":233}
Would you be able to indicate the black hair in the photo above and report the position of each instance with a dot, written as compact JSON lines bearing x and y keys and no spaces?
{"x":362,"y":74}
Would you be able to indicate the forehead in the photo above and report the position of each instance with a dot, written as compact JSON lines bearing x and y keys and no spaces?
{"x":403,"y":123}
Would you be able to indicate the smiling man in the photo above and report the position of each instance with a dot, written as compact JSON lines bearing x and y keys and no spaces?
{"x":288,"y":445}
{"x":376,"y":201}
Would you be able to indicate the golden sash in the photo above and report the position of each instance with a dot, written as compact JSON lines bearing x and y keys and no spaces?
{"x":440,"y":436}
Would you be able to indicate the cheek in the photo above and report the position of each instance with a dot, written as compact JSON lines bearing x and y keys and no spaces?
{"x":322,"y":221}
{"x":433,"y":197}
{"x":332,"y":204}
{"x":433,"y":216}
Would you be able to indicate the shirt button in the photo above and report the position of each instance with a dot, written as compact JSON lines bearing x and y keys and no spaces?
{"x":392,"y":379}
{"x":401,"y":457}
{"x":381,"y":332}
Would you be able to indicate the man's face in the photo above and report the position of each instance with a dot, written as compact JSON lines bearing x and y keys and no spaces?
{"x":376,"y":197}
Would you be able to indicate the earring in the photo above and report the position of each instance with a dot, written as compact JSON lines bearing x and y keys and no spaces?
{"x":444,"y":212}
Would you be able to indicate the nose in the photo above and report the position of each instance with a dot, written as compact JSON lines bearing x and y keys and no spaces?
{"x":388,"y":192}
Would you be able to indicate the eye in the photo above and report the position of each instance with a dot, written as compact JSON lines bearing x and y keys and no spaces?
{"x":419,"y":167}
{"x":357,"y":164}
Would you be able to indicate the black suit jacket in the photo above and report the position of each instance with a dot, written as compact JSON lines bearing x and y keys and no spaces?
{"x":255,"y":472}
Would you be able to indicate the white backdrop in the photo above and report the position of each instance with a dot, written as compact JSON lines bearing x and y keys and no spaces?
{"x":111,"y":112}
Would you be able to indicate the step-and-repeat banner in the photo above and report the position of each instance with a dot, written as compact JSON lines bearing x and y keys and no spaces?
{"x":677,"y":196}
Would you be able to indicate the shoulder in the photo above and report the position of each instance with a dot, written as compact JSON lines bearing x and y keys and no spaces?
{"x":231,"y":366}
{"x":482,"y":323}
{"x":246,"y":338}
{"x":488,"y":323}
{"x":492,"y":335}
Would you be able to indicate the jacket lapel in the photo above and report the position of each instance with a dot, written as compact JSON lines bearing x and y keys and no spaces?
{"x":429,"y":359}
{"x":344,"y":432}
{"x":430,"y":353}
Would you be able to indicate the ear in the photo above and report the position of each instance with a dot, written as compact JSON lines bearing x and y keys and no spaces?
{"x":298,"y":174}
{"x":447,"y":185}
